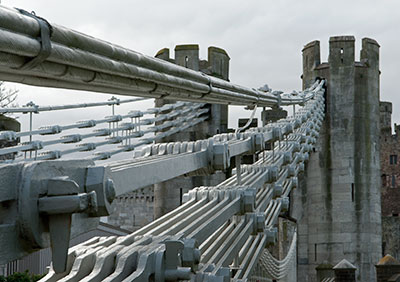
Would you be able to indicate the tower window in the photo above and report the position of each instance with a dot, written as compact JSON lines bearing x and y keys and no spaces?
{"x":393,"y":181}
{"x":384,"y":180}
{"x":315,"y":252}
{"x":186,"y":61}
{"x":341,"y":55}
{"x":393,"y":159}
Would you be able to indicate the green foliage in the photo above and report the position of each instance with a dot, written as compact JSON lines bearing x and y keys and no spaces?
{"x":21,"y":277}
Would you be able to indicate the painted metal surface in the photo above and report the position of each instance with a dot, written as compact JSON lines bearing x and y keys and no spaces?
{"x":233,"y":221}
{"x":218,"y":234}
{"x":77,"y":61}
{"x":215,"y":225}
{"x":126,"y":132}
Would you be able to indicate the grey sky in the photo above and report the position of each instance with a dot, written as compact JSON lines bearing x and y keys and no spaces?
{"x":263,"y":38}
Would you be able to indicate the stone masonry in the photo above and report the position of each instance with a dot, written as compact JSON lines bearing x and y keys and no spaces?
{"x":337,"y":205}
{"x":133,"y":210}
{"x":390,"y":176}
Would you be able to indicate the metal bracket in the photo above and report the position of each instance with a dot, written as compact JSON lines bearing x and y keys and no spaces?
{"x":98,"y":179}
{"x":51,"y":198}
{"x":46,"y":31}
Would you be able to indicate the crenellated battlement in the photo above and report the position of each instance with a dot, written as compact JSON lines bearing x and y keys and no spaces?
{"x":341,"y":54}
{"x":187,"y":55}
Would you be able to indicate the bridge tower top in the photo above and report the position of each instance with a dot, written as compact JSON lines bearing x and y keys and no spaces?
{"x":341,"y":51}
{"x":344,"y":177}
{"x":341,"y":54}
{"x":187,"y":55}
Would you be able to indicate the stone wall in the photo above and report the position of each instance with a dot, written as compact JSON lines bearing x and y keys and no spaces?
{"x":391,"y":236}
{"x":133,"y":210}
{"x":390,"y":176}
{"x":390,"y":199}
{"x":389,"y":155}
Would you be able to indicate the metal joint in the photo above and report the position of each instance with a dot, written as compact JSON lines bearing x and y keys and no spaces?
{"x":46,"y":31}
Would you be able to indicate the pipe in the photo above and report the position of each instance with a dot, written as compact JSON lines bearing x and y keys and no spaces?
{"x":82,"y":62}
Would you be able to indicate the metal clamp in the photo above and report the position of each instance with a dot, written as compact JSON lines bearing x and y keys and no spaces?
{"x":57,"y":199}
{"x":46,"y":31}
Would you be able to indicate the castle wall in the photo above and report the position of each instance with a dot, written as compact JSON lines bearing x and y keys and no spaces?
{"x":390,"y":178}
{"x":338,"y":203}
{"x":391,"y":235}
{"x":133,"y":210}
{"x":386,"y":117}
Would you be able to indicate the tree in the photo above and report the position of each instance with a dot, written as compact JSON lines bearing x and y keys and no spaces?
{"x":21,"y":277}
{"x":7,"y":96}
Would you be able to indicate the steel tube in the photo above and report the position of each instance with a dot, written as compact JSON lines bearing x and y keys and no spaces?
{"x":77,"y":56}
{"x":66,"y":107}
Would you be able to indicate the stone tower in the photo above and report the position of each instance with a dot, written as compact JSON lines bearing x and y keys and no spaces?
{"x":167,"y":195}
{"x":338,"y":204}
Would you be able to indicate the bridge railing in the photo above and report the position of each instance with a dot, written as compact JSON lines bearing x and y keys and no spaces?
{"x":126,"y":131}
{"x":56,"y":195}
{"x":33,"y":108}
{"x":219,"y":232}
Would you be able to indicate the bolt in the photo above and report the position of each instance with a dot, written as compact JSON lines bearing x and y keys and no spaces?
{"x":92,"y":202}
{"x":110,"y":190}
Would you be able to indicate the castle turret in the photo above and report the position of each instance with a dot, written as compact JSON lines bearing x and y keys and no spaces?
{"x":187,"y":56}
{"x":218,"y":64}
{"x":311,"y":59}
{"x":218,"y":60}
{"x":163,"y":54}
{"x":338,"y":207}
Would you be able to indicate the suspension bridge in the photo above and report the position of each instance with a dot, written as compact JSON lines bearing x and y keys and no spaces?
{"x":220,"y":232}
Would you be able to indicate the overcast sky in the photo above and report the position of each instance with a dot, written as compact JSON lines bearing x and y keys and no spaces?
{"x":263,"y":38}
